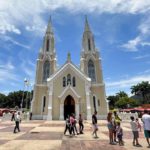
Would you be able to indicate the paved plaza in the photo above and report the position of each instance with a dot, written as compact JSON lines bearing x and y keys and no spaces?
{"x":48,"y":135}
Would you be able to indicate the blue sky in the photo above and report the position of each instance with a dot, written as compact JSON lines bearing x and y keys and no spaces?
{"x":121,"y":29}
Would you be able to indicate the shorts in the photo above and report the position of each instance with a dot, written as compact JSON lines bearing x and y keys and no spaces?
{"x":95,"y":126}
{"x":147,"y":133}
{"x":135,"y":134}
{"x":110,"y":126}
{"x":119,"y":136}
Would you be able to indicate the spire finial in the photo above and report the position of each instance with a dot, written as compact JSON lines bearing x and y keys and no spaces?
{"x":68,"y":57}
{"x":87,"y":28}
{"x":49,"y":26}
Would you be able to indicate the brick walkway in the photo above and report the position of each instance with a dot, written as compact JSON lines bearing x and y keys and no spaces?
{"x":48,"y":135}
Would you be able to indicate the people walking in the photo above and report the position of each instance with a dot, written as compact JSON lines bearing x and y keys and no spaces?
{"x":134,"y":127}
{"x":67,"y":126}
{"x":81,"y":126}
{"x":17,"y":122}
{"x":116,"y":119}
{"x":72,"y":121}
{"x":146,"y":123}
{"x":110,"y":128}
{"x":139,"y":125}
{"x":119,"y":133}
{"x":95,"y":126}
{"x":13,"y":116}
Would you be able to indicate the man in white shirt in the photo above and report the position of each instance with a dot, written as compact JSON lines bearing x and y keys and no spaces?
{"x":17,"y":121}
{"x":134,"y":127}
{"x":146,"y":123}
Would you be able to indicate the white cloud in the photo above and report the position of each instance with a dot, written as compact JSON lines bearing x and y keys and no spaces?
{"x":7,"y":73}
{"x":131,"y":45}
{"x":128,"y":82}
{"x":142,"y":38}
{"x":29,"y":69}
{"x":14,"y":42}
{"x":30,"y":13}
{"x":141,"y":57}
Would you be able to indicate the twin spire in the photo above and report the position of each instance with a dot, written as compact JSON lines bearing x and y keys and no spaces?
{"x":50,"y":30}
{"x":49,"y":26}
{"x":86,"y":27}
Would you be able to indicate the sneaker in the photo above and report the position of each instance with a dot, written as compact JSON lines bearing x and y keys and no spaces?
{"x":138,"y":145}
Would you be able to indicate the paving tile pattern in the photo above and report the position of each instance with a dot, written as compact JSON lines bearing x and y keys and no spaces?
{"x":48,"y":135}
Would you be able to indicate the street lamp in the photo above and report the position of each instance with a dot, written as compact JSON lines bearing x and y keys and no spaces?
{"x":25,"y":82}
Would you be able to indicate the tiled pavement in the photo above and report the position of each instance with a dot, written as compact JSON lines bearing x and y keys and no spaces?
{"x":48,"y":135}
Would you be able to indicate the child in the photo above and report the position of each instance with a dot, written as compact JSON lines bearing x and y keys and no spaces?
{"x":139,"y":125}
{"x":134,"y":127}
{"x":119,"y":132}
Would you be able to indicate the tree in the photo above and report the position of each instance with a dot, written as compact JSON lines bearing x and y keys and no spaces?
{"x":121,"y":94}
{"x":14,"y":99}
{"x":125,"y":102}
{"x":112,"y":100}
{"x":142,"y":89}
{"x":2,"y":100}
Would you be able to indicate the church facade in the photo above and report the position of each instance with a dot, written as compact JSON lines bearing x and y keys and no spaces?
{"x":69,"y":89}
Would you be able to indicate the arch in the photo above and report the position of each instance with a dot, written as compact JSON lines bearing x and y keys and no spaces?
{"x":46,"y":70}
{"x":91,"y":70}
{"x":89,"y":45}
{"x":47,"y":45}
{"x":69,"y":106}
{"x":68,"y":79}
{"x":74,"y":81}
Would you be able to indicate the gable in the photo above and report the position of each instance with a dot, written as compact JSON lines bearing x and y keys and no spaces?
{"x":69,"y":67}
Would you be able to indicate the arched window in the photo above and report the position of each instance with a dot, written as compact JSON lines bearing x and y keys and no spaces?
{"x":74,"y":81}
{"x":89,"y":44}
{"x":44,"y":103}
{"x":68,"y":79}
{"x":46,"y":70}
{"x":91,"y":70}
{"x":94,"y":103}
{"x":64,"y":81}
{"x":98,"y":102}
{"x":47,"y":45}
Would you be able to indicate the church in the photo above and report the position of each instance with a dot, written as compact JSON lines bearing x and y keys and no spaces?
{"x":59,"y":92}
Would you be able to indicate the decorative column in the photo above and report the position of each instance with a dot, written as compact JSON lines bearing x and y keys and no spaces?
{"x":88,"y":105}
{"x":49,"y":115}
{"x":77,"y":109}
{"x":61,"y":116}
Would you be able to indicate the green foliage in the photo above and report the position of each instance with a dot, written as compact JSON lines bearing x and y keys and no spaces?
{"x":142,"y":89}
{"x":14,"y":99}
{"x":125,"y":102}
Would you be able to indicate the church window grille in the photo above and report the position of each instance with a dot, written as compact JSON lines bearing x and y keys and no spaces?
{"x":68,"y":79}
{"x":64,"y":81}
{"x":47,"y":45}
{"x":46,"y":70}
{"x":91,"y":70}
{"x":44,"y":103}
{"x":89,"y":44}
{"x":94,"y":103}
{"x":74,"y":81}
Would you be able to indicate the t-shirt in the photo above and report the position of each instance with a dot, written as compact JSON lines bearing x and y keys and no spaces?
{"x":134,"y":126}
{"x":146,"y":121}
{"x":94,"y":119}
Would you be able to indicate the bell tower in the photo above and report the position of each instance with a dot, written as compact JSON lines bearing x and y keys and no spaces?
{"x":90,"y":64}
{"x":46,"y":62}
{"x":90,"y":61}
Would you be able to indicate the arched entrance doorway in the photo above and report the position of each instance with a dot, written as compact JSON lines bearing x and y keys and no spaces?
{"x":69,"y":106}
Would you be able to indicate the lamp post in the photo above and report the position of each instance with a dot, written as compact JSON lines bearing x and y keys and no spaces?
{"x":21,"y":105}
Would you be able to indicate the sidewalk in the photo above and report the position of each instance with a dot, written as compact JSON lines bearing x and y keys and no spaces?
{"x":48,"y":135}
